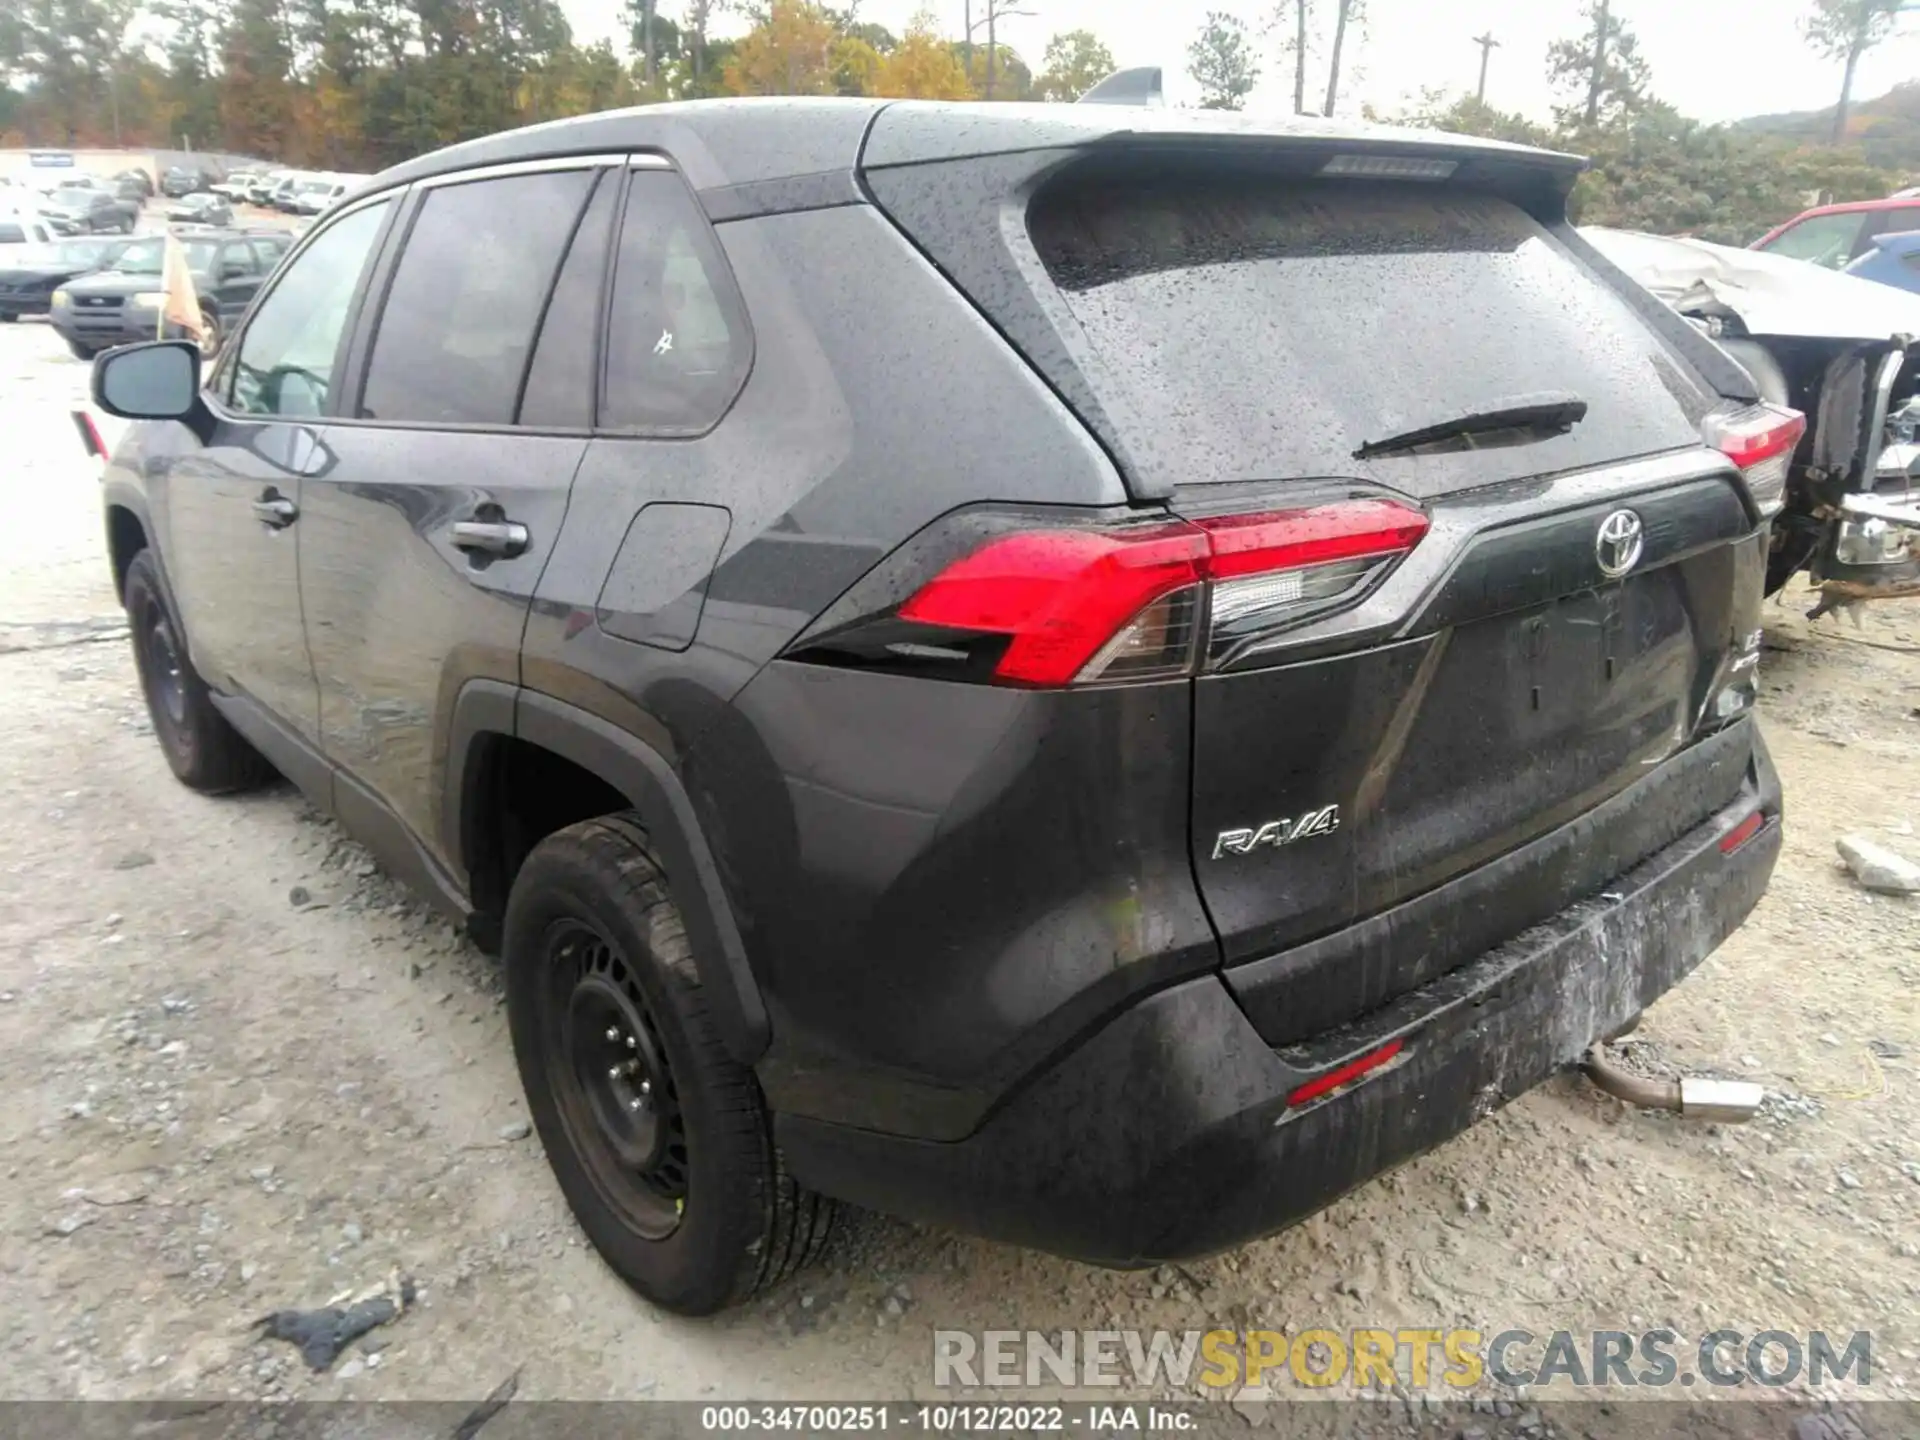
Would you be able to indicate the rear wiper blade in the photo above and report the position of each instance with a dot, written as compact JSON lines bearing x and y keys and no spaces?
{"x":1549,"y":412}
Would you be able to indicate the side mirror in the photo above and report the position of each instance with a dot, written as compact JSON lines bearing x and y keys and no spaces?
{"x":158,"y":380}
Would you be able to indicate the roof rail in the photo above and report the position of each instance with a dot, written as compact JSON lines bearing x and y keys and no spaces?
{"x":1140,"y":86}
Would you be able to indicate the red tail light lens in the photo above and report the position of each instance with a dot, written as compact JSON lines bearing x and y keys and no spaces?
{"x":1761,"y":440}
{"x":1080,"y":605}
{"x":1061,"y":595}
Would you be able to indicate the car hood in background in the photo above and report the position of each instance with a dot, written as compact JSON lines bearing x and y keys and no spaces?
{"x":1770,"y":294}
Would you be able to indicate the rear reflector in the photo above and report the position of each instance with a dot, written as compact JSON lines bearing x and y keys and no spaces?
{"x":1761,"y":440}
{"x":1126,"y":603}
{"x":1742,"y":833}
{"x":1352,"y":1070}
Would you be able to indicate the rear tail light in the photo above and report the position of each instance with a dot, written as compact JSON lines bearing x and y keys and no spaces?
{"x":1071,"y":606}
{"x":1761,"y":440}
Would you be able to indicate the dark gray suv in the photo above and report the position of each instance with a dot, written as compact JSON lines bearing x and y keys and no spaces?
{"x":1094,"y":675}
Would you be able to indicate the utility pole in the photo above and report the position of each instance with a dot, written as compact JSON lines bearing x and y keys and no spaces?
{"x":966,"y":43}
{"x":1594,"y":80}
{"x":1487,"y":46}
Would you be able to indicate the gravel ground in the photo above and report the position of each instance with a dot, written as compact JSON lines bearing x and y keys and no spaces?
{"x":245,"y":1071}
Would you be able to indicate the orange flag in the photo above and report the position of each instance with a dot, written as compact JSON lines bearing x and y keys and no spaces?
{"x":183,"y":303}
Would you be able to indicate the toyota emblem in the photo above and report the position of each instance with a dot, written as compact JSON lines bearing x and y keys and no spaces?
{"x":1619,"y":544}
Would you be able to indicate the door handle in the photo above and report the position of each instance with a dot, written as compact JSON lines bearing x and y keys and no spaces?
{"x":275,"y":511}
{"x":491,"y":537}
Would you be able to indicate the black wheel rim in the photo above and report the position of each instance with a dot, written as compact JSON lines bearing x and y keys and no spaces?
{"x":611,"y":1082}
{"x":166,"y":682}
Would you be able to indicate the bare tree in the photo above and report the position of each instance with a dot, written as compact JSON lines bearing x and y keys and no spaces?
{"x":1346,"y":12}
{"x":997,"y":10}
{"x":1845,"y":30}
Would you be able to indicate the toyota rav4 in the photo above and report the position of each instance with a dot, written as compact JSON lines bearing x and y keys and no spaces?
{"x":1097,"y":676}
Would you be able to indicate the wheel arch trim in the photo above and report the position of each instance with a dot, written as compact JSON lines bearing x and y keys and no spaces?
{"x":648,"y":782}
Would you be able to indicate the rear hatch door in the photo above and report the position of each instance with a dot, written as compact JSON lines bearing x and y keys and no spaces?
{"x":1252,"y":335}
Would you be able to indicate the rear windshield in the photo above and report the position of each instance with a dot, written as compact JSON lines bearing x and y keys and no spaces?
{"x":1247,"y":328}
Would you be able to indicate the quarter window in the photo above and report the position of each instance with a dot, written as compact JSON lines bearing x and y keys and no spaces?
{"x":286,"y":359}
{"x":458,"y":324}
{"x":677,"y":342}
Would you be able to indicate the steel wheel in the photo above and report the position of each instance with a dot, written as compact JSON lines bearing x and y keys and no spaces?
{"x":160,"y":648}
{"x":614,"y":1090}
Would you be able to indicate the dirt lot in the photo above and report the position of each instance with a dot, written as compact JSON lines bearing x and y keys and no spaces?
{"x":223,"y":1100}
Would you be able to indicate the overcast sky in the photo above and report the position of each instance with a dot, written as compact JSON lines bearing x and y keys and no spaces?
{"x":1714,"y":59}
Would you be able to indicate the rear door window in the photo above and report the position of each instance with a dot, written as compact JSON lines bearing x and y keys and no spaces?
{"x":458,"y":325}
{"x":559,"y":390}
{"x":1250,"y":328}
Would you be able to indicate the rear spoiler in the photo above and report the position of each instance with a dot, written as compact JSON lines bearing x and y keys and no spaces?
{"x":1139,"y":86}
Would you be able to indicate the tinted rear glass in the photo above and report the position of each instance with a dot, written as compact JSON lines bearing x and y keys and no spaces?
{"x":1246,"y":328}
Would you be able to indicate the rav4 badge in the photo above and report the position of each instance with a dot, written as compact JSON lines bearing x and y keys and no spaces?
{"x":1275,"y":833}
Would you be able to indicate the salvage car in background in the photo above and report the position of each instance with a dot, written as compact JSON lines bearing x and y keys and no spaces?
{"x":121,"y":303}
{"x":88,"y":210}
{"x":201,"y":208}
{"x":29,"y":278}
{"x":1846,"y":353}
{"x":1894,"y":260}
{"x":1832,"y":235}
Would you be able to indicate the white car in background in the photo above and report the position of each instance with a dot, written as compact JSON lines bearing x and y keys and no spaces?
{"x":23,"y":226}
{"x":317,"y":194}
{"x":237,"y":184}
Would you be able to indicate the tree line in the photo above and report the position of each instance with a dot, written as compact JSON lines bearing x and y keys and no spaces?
{"x":1653,"y":167}
{"x":360,"y":84}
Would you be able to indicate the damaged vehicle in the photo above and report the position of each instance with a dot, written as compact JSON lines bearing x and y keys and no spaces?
{"x":1843,"y":351}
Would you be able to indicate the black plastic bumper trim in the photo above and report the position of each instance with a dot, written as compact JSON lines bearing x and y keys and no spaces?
{"x":1167,"y":1134}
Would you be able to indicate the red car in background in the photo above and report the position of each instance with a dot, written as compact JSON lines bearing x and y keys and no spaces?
{"x":1832,"y":235}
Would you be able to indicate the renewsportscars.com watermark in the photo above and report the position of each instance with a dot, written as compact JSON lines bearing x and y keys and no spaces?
{"x":1415,"y":1359}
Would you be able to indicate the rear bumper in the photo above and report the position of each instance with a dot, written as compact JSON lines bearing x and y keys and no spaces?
{"x":25,"y":304}
{"x":1167,"y":1133}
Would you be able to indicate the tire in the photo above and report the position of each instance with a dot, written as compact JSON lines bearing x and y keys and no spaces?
{"x":7,"y":317}
{"x":204,"y":752}
{"x":660,"y":1140}
{"x":209,"y":334}
{"x":79,"y":351}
